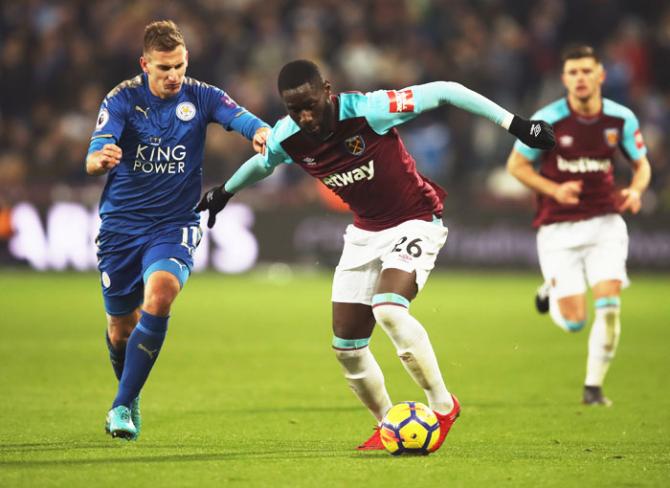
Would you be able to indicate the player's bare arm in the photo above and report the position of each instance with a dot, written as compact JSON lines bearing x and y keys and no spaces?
{"x":520,"y":167}
{"x":101,"y":161}
{"x":631,"y":196}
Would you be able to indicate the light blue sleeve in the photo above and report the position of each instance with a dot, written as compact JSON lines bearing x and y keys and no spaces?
{"x":432,"y":95}
{"x":260,"y":166}
{"x":252,"y":170}
{"x":551,"y":113}
{"x":275,"y":154}
{"x":99,"y":142}
{"x":385,"y":109}
{"x":377,"y":108}
{"x":632,"y":142}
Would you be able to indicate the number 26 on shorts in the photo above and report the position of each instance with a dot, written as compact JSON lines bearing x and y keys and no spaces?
{"x":412,"y":248}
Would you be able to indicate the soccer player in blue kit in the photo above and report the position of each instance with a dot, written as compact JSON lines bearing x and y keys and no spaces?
{"x":149,"y":138}
{"x":349,"y":142}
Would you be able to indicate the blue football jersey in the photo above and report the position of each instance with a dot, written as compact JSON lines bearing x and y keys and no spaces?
{"x":159,"y":178}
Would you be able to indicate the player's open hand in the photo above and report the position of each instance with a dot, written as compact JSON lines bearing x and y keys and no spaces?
{"x":214,"y":201}
{"x":534,"y":133}
{"x":629,"y":200}
{"x":568,"y":193}
{"x":260,"y":139}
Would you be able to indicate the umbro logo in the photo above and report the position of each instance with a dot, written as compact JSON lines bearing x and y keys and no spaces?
{"x":309,"y":161}
{"x":535,"y":130}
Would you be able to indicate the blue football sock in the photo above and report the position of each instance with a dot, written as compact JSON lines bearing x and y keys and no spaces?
{"x":116,"y":356}
{"x":144,"y":344}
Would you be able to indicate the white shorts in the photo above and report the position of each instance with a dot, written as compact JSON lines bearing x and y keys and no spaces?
{"x":411,"y":246}
{"x":591,"y":250}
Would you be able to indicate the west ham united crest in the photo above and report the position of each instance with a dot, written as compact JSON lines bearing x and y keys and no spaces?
{"x":611,"y":136}
{"x":355,"y":145}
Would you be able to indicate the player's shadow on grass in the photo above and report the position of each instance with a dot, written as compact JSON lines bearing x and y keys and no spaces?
{"x":293,"y":408}
{"x":321,"y":453}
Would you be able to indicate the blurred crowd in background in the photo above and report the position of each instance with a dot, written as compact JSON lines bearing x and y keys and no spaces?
{"x":58,"y":59}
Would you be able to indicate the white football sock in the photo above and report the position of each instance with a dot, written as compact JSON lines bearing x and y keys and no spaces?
{"x":365,"y":379}
{"x":416,"y":352}
{"x":603,"y":340}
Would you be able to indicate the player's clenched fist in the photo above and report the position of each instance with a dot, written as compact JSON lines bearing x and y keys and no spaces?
{"x":629,"y":200}
{"x":533,"y":133}
{"x":260,"y":139}
{"x":567,"y":193}
{"x":99,"y":162}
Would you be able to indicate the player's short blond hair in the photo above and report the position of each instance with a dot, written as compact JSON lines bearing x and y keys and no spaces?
{"x":162,"y":35}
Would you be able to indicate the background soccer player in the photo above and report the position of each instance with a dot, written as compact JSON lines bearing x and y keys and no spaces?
{"x":150,"y":137}
{"x":349,"y":142}
{"x":581,"y":233}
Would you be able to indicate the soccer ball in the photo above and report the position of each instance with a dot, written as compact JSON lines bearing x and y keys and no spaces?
{"x":409,"y":427}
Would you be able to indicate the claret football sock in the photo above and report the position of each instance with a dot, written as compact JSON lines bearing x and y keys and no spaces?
{"x":142,"y":351}
{"x":117,"y":356}
{"x":413,"y":347}
{"x":363,"y":374}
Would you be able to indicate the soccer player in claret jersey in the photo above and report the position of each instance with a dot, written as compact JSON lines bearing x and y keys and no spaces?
{"x":580,"y":232}
{"x":149,"y":138}
{"x":349,"y":142}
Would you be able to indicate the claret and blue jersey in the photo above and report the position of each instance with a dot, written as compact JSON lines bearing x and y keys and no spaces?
{"x":364,"y":161}
{"x":159,"y":178}
{"x":585,"y":147}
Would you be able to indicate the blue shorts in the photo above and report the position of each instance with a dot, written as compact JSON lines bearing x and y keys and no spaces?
{"x":123,"y":260}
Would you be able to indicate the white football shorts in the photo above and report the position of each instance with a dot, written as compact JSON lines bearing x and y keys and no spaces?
{"x":410,"y":246}
{"x":592,"y":250}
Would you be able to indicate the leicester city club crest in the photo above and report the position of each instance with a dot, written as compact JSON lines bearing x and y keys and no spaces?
{"x":185,"y":111}
{"x":355,"y":145}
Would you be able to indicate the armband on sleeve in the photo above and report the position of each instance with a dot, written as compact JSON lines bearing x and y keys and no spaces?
{"x":99,"y":142}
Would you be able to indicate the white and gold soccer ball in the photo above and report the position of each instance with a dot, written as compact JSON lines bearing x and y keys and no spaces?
{"x":409,"y":427}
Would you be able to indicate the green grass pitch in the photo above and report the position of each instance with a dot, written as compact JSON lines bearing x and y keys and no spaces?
{"x":247,"y":391}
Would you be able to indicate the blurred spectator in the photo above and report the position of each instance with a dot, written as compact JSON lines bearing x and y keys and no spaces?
{"x":59,"y":58}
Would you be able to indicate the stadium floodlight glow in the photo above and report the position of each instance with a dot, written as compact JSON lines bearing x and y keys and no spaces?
{"x":67,"y":241}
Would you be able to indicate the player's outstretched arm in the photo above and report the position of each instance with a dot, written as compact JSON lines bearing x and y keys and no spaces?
{"x":520,"y":167}
{"x":216,"y":199}
{"x":101,"y":161}
{"x":534,"y":133}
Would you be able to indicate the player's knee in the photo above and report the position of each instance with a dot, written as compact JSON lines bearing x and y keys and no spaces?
{"x":573,"y":314}
{"x":353,"y":355}
{"x":160,"y":293}
{"x":389,"y":308}
{"x":574,"y":318}
{"x":120,"y":327}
